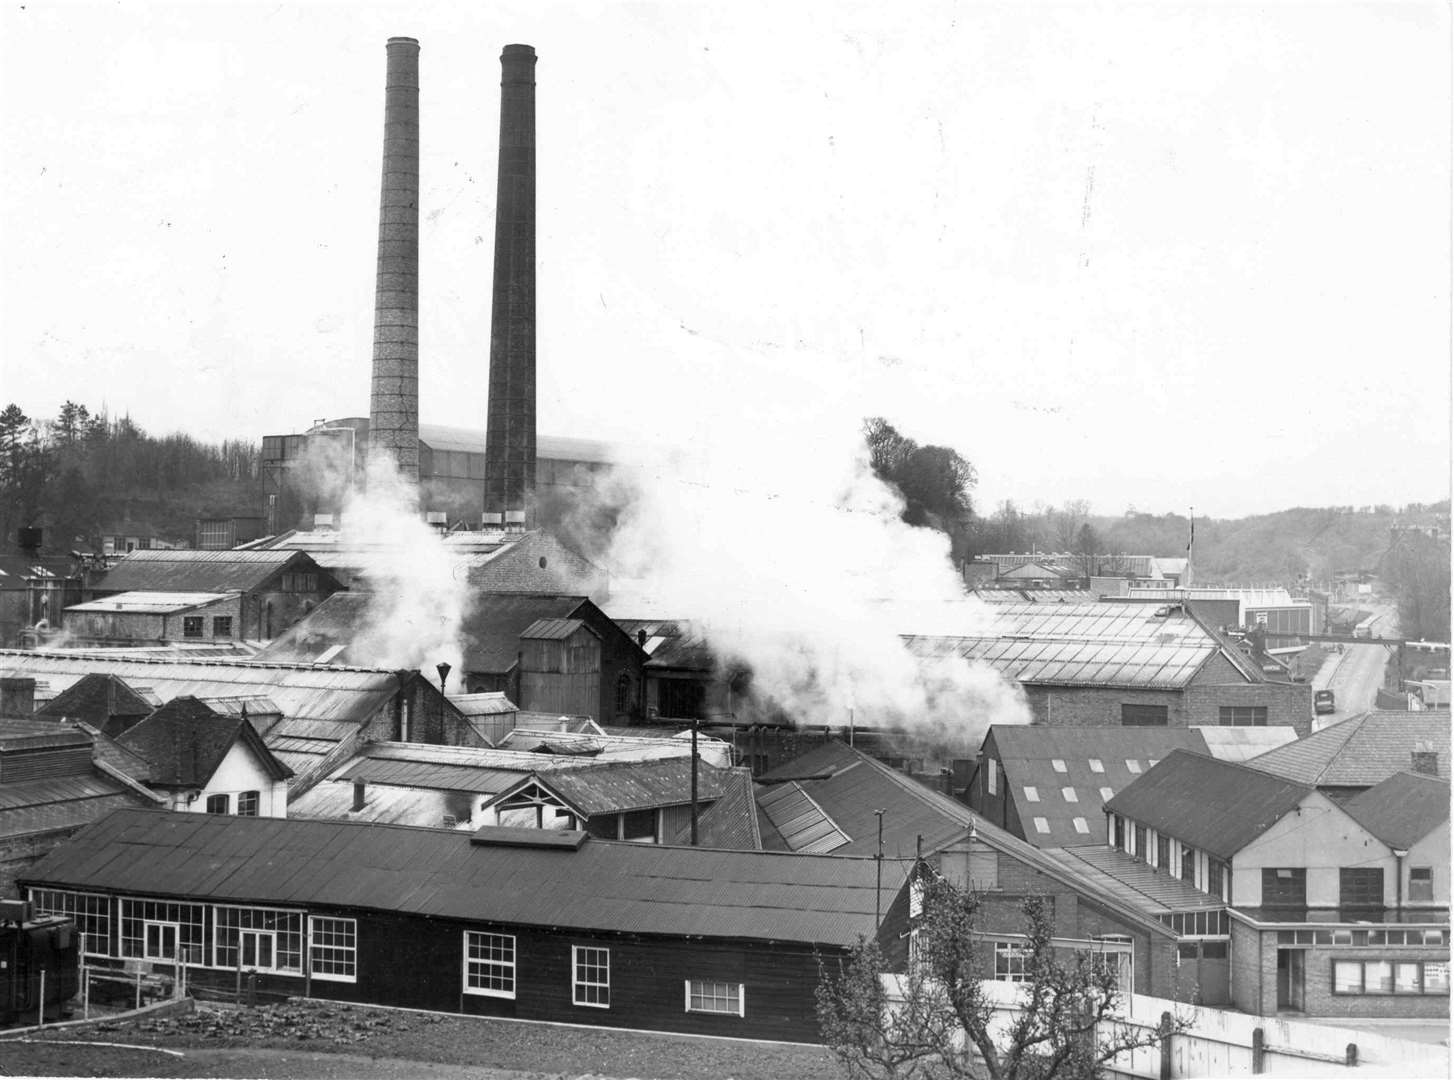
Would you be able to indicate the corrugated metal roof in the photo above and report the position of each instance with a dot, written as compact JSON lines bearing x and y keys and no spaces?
{"x":1141,"y":884}
{"x":800,"y":821}
{"x":199,"y":571}
{"x":37,"y":734}
{"x":1361,"y":751}
{"x":551,"y":629}
{"x":53,"y":790}
{"x":1052,"y":662}
{"x":1217,"y":806}
{"x":1092,"y":621}
{"x":1403,"y":809}
{"x":95,"y":699}
{"x":384,"y":804}
{"x":428,"y":776}
{"x":851,"y":785}
{"x":493,"y":703}
{"x":618,"y":787}
{"x":619,"y":887}
{"x":349,"y":694}
{"x":152,"y":603}
{"x":37,"y":806}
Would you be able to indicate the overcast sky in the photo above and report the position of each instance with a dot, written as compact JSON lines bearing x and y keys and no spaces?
{"x":1150,"y":255}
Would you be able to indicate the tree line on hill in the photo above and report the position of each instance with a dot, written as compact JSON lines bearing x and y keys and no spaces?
{"x":1406,"y":547}
{"x":80,"y":474}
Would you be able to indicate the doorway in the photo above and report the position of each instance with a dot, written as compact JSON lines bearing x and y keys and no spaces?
{"x":1290,"y":989}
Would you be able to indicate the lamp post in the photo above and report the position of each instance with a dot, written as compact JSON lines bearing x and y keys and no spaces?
{"x":878,"y":883}
{"x":444,"y":670}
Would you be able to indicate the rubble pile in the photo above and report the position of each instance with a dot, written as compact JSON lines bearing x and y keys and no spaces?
{"x":293,"y":1021}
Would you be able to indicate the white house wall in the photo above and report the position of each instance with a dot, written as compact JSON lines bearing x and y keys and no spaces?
{"x":1432,"y":850}
{"x":1319,"y":837}
{"x":242,"y":771}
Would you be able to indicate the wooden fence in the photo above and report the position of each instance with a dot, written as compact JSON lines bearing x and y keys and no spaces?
{"x":1221,"y":1042}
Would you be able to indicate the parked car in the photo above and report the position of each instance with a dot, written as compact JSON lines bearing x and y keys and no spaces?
{"x":1323,"y":701}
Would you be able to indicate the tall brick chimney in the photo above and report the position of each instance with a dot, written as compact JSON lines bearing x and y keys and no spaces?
{"x":510,"y":422}
{"x":394,"y":391}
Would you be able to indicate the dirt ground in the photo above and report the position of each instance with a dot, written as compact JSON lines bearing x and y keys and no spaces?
{"x":327,"y":1040}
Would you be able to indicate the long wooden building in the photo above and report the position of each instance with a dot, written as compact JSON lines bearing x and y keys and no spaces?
{"x":526,"y":923}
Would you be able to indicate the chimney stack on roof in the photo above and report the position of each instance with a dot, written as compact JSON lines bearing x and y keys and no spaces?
{"x":394,"y":391}
{"x":510,"y":420}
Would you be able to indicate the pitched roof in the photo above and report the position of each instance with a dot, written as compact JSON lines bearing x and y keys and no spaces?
{"x":731,"y":821}
{"x":600,"y":885}
{"x":1043,"y":662}
{"x":61,"y":802}
{"x":95,"y":699}
{"x":1403,"y":809}
{"x":1058,"y":778}
{"x":151,"y":603}
{"x":16,"y":734}
{"x":621,"y":786}
{"x":300,"y":691}
{"x":1142,"y":886}
{"x":552,"y":629}
{"x":1217,"y":806}
{"x":185,"y":741}
{"x":1361,"y":751}
{"x":199,"y":571}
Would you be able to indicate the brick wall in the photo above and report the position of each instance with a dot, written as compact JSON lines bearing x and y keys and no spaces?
{"x":1289,"y":704}
{"x":1245,"y":974}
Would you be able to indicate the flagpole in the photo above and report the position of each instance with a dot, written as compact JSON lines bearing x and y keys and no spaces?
{"x":1191,"y":521}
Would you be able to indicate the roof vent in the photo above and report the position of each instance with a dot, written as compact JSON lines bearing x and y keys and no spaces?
{"x":542,"y":839}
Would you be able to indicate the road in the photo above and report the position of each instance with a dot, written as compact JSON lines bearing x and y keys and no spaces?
{"x":1356,"y":677}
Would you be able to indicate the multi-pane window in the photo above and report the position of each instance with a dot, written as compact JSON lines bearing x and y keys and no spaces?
{"x":222,"y":626}
{"x":1390,"y":977}
{"x":1163,"y":851}
{"x":1011,"y":962}
{"x":191,"y":626}
{"x":591,"y":981}
{"x":1421,"y":883}
{"x":1188,"y":863}
{"x":712,"y":996}
{"x":91,"y":913}
{"x":163,"y":930}
{"x":247,"y":803}
{"x":1360,"y":887}
{"x":264,"y":939}
{"x":1138,"y":840}
{"x":1242,"y":716}
{"x":489,"y":964}
{"x":333,"y":948}
{"x":219,"y":804}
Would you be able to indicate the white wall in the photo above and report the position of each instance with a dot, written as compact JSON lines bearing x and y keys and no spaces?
{"x":240,"y":771}
{"x":1321,"y":838}
{"x":1432,"y":850}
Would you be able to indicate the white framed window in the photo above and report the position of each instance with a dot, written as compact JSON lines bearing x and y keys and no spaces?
{"x":219,"y":804}
{"x":1011,"y":962}
{"x":333,"y":948}
{"x":159,"y":940}
{"x":591,"y":976}
{"x":711,"y":996}
{"x":139,"y":915}
{"x":1031,"y":794}
{"x":247,"y":804}
{"x":267,"y":939}
{"x":489,"y":964}
{"x":91,"y":912}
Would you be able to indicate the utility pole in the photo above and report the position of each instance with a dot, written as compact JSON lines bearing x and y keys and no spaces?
{"x":695,"y":723}
{"x":878,"y":884}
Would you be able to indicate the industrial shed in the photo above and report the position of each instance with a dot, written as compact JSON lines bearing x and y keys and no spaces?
{"x":503,"y":922}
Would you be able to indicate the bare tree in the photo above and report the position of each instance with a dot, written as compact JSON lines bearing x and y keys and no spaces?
{"x":1065,"y":1029}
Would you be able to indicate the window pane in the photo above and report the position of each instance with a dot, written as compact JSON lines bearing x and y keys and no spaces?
{"x":1436,"y":977}
{"x":489,"y":964}
{"x":710,"y":996}
{"x":1406,"y":978}
{"x":1377,"y":977}
{"x":592,"y":980}
{"x":333,"y":945}
{"x":1347,"y":977}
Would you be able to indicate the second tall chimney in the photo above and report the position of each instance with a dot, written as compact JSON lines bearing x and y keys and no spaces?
{"x":394,"y":391}
{"x":510,"y":420}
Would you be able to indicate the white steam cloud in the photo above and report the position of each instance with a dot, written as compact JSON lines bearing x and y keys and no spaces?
{"x":418,"y":598}
{"x":779,"y":543}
